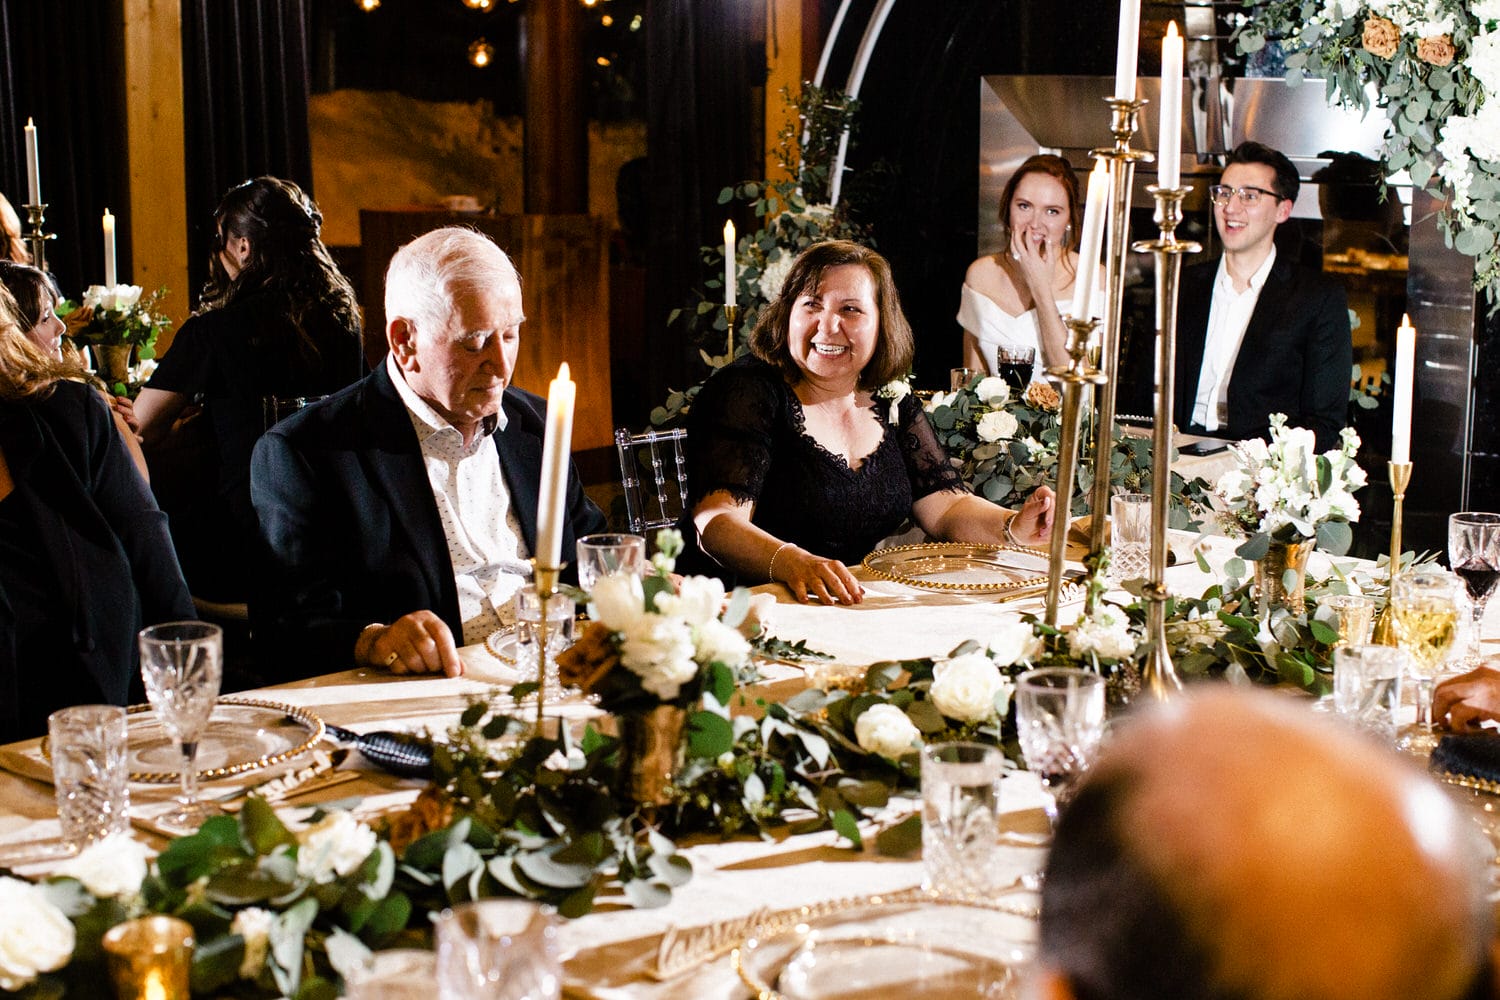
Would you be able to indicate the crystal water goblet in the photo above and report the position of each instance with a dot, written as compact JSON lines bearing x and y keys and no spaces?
{"x":1424,"y":618}
{"x":1474,"y":554}
{"x":181,"y":665}
{"x":1060,"y":723}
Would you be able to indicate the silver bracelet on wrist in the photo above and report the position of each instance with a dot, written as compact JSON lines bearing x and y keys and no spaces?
{"x":771,"y":569}
{"x":1010,"y":536}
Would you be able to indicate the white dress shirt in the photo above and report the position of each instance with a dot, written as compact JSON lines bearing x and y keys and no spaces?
{"x":1228,"y":317}
{"x":473,"y":503}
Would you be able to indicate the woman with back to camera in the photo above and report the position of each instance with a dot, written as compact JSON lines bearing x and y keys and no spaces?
{"x":85,"y":558}
{"x":276,"y":320}
{"x":36,"y":296}
{"x":1010,"y":299}
{"x":800,"y":462}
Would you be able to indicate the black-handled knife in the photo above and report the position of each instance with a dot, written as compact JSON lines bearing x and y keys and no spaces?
{"x":399,"y":753}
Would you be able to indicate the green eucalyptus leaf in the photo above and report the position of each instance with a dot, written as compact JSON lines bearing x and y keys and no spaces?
{"x":846,"y":826}
{"x":709,"y":735}
{"x":902,"y":840}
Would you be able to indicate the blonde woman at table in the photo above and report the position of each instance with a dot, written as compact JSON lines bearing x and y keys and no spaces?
{"x":85,"y":558}
{"x":36,"y":297}
{"x":1010,"y":299}
{"x":802,"y":457}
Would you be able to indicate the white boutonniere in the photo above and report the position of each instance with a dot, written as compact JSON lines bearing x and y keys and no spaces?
{"x":895,"y":390}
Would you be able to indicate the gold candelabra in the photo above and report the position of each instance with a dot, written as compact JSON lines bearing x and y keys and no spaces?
{"x":730,"y":314}
{"x":546,"y":586}
{"x":36,"y":239}
{"x":1072,"y":377}
{"x":1124,"y":115}
{"x":1400,"y":475}
{"x":1158,"y":675}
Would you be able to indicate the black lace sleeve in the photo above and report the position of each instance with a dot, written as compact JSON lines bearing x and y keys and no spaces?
{"x":927,"y":461}
{"x":730,"y":431}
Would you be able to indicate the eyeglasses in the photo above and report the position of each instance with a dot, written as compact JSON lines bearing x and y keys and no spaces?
{"x":1221,"y":193}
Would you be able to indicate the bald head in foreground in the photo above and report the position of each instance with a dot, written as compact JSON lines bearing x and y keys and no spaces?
{"x":1236,"y":846}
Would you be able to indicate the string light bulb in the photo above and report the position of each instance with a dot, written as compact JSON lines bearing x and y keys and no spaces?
{"x":480,"y":4}
{"x":481,"y":53}
{"x":367,"y":5}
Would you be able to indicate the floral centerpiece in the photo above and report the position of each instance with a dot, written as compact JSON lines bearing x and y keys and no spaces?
{"x":1287,"y":497}
{"x":1007,"y":442}
{"x":116,"y":320}
{"x":1434,"y":67}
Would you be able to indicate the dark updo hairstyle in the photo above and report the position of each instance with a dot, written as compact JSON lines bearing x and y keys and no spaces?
{"x":1059,"y":170}
{"x":33,"y":290}
{"x":287,"y":256}
{"x":770,"y":341}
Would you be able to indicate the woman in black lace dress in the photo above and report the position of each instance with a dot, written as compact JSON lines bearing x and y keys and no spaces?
{"x":800,"y":459}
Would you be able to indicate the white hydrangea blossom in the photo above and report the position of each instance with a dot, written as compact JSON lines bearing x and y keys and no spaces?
{"x":333,"y":847}
{"x":1106,"y":635}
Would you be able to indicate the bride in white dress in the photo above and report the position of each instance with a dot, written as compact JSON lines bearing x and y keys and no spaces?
{"x":1014,"y":299}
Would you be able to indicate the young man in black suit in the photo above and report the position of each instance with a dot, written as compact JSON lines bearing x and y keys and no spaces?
{"x":1257,"y":334}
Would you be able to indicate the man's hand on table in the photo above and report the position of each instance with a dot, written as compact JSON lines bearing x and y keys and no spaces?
{"x":415,"y":643}
{"x":1462,"y":703}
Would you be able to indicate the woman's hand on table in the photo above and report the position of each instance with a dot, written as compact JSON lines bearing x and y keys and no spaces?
{"x":1032,"y":524}
{"x":1463,"y":702}
{"x":415,"y":643}
{"x":809,"y":576}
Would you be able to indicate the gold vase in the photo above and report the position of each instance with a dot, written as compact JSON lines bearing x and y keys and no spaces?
{"x":1270,"y":576}
{"x":650,"y":753}
{"x":113,"y":362}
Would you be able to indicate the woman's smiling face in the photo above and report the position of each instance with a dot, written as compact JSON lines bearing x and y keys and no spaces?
{"x":833,"y":328}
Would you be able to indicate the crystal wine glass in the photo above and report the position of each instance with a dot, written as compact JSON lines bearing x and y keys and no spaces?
{"x":181,"y":664}
{"x":1424,"y":617}
{"x":1474,"y":554}
{"x":1060,"y":722}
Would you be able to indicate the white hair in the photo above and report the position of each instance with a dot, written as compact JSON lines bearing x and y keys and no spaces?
{"x":428,"y":274}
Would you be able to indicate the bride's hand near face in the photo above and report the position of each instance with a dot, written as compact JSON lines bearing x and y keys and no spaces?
{"x":1037,"y":258}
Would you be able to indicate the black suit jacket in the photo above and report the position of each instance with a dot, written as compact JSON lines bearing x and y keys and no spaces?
{"x":350,"y":529}
{"x":1295,"y":359}
{"x":107,"y":549}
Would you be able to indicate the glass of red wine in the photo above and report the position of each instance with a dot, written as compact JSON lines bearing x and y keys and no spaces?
{"x":1014,"y":364}
{"x":1474,"y":554}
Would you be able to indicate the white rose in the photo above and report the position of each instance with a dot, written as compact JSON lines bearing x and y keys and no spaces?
{"x":1106,"y":635}
{"x":716,"y":642}
{"x":254,"y":925}
{"x":940,"y":399}
{"x":885,"y":729}
{"x":659,"y":650}
{"x":993,"y":390}
{"x":969,"y":688}
{"x":35,"y":936}
{"x":698,"y":600}
{"x":996,"y":425}
{"x":1014,"y":642}
{"x":774,"y":276}
{"x":335,"y":846}
{"x":617,"y":600}
{"x":111,"y":868}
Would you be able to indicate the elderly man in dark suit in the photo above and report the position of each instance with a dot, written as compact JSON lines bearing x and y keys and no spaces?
{"x":1257,"y":334}
{"x":397,"y":514}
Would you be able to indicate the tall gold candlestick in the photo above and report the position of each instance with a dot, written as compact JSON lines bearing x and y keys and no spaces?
{"x":546,"y":586}
{"x":1158,"y":675}
{"x":1400,"y":476}
{"x":36,"y":239}
{"x":1122,"y":160}
{"x":730,"y":313}
{"x":1073,"y":377}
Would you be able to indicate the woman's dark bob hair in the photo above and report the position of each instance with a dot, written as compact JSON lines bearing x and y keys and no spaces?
{"x":893,"y":343}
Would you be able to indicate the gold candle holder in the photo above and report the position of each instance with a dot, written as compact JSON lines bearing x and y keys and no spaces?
{"x":546,"y":585}
{"x":731,"y":313}
{"x":1073,"y":377}
{"x":36,"y":239}
{"x":1124,"y":115}
{"x":1400,"y":477}
{"x":1158,"y":675}
{"x":150,"y":958}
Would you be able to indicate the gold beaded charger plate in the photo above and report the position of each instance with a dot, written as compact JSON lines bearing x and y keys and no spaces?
{"x":242,"y":735}
{"x":962,"y":567}
{"x":910,"y":944}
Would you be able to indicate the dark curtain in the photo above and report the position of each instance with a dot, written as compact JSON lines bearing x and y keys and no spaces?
{"x":245,"y":81}
{"x":706,"y":71}
{"x":62,"y":64}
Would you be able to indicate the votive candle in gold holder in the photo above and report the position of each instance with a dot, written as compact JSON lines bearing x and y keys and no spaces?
{"x":150,"y":958}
